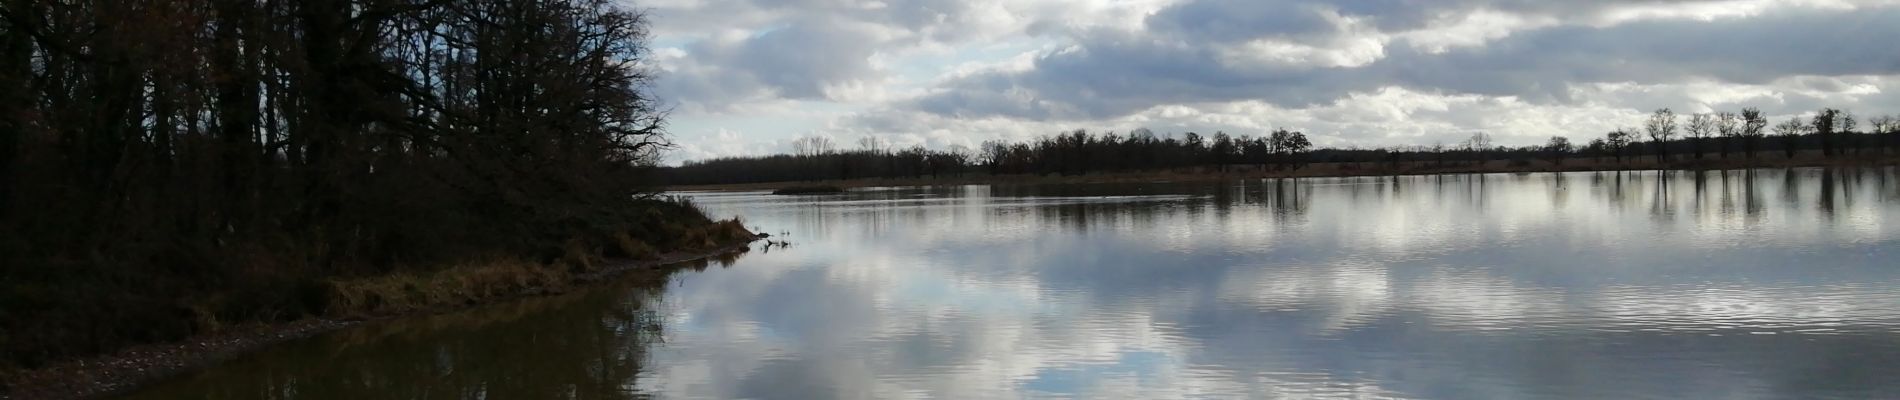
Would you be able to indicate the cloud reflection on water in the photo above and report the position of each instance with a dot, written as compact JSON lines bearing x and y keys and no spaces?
{"x":1737,"y":284}
{"x":1573,"y":285}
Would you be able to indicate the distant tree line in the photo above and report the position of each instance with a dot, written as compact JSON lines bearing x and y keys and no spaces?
{"x":1071,"y":153}
{"x":169,"y":164}
{"x":1663,"y":135}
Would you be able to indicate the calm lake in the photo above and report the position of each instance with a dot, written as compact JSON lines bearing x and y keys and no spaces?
{"x":1737,"y":284}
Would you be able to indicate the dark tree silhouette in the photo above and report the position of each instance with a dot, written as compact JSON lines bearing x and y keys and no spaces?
{"x":1557,"y":148}
{"x":1223,"y":151}
{"x":1887,"y":130}
{"x":1480,"y":143}
{"x":1728,"y":128}
{"x":1618,"y":141}
{"x":1824,"y":126}
{"x":1699,"y":129}
{"x":1754,"y":126}
{"x":1661,"y":127}
{"x":1288,"y":146}
{"x":1790,"y":132}
{"x":158,"y":156}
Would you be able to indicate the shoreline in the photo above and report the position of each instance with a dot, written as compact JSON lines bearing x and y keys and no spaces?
{"x":1324,"y":170}
{"x":141,"y":366}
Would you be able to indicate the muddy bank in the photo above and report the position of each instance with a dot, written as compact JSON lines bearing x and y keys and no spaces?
{"x":136,"y":367}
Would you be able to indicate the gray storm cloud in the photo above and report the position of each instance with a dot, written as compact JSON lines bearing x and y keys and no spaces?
{"x":1111,"y":74}
{"x":1352,"y":72}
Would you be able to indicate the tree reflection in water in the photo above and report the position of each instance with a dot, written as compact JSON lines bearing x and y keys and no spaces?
{"x":590,"y":344}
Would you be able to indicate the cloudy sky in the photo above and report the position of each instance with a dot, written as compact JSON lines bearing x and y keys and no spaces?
{"x":749,"y":76}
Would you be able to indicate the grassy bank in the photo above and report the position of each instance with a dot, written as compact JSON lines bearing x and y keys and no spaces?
{"x":1315,"y":170}
{"x":79,"y":309}
{"x":675,"y":232}
{"x":481,"y":281}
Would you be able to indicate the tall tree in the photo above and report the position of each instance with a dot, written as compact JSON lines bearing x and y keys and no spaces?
{"x":811,"y":146}
{"x":1223,"y":151}
{"x":1754,"y":126}
{"x":1728,"y":128}
{"x":1824,"y":125}
{"x":1887,"y":129}
{"x":1661,"y":126}
{"x":1619,"y":140}
{"x":171,"y":150}
{"x":1701,"y":126}
{"x":1790,"y":132}
{"x":1287,"y":146}
{"x":1557,"y":148}
{"x":1850,"y":137}
{"x":1480,"y":144}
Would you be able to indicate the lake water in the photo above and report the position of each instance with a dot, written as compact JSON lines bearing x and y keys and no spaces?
{"x":1738,"y":284}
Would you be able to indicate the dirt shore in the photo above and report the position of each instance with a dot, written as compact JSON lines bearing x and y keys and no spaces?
{"x":140,"y":366}
{"x":1322,"y":170}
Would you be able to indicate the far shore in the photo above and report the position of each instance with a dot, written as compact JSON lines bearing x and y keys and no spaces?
{"x":1325,"y":170}
{"x":141,"y":366}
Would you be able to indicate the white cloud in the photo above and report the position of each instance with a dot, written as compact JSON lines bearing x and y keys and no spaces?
{"x":1372,"y":73}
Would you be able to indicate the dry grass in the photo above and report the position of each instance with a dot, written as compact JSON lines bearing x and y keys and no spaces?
{"x":495,"y":278}
{"x":625,"y":246}
{"x":579,"y":256}
{"x":463,"y":284}
{"x":712,"y":236}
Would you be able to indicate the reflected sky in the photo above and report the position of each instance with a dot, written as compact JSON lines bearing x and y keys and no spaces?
{"x":1736,"y":284}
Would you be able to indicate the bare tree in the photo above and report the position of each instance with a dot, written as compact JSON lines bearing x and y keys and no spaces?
{"x":813,"y":146}
{"x":1701,"y":126}
{"x":1557,"y":148}
{"x":1479,"y":144}
{"x":1438,"y":154}
{"x":994,"y":155}
{"x":1661,"y":126}
{"x":1728,"y":128}
{"x":1790,"y":132}
{"x":955,"y":159}
{"x":1223,"y":150}
{"x":1824,"y":126}
{"x":1754,"y":126}
{"x":1846,"y":130}
{"x":874,"y":144}
{"x":1618,"y":140}
{"x":1887,"y":129}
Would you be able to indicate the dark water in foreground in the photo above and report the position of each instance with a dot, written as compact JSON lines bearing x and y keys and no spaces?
{"x":1765,"y":284}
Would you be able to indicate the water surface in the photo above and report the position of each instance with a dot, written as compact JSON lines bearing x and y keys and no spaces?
{"x":1738,"y":284}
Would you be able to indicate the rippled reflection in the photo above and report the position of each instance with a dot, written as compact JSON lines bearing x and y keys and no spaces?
{"x":1717,"y":284}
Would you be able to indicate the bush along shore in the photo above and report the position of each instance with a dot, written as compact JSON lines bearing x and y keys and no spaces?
{"x":346,"y":301}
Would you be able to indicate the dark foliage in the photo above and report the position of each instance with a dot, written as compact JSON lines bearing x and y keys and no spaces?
{"x":169,"y":166}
